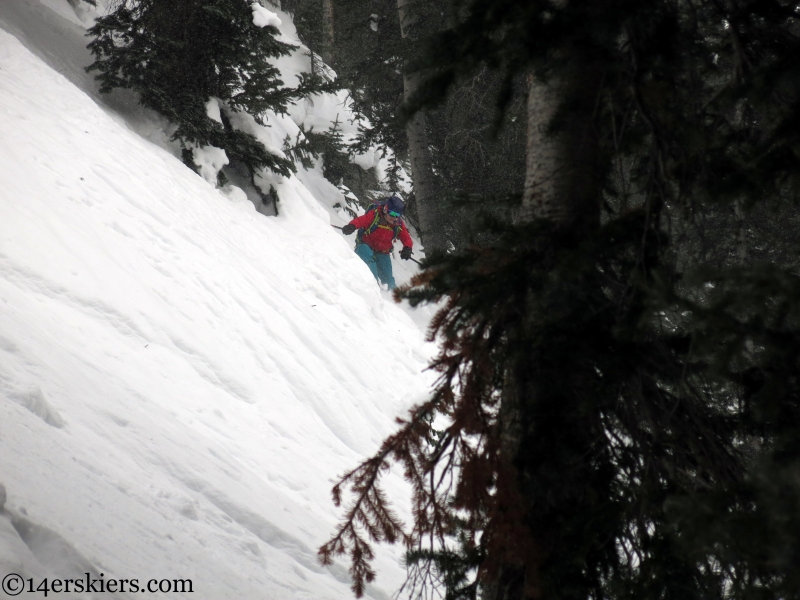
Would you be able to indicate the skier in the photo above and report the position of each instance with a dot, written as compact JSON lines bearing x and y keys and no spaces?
{"x":378,"y":228}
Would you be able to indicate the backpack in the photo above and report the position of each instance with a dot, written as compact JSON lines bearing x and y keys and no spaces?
{"x":377,"y":206}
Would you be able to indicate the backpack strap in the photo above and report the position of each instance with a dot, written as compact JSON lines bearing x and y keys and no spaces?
{"x":372,"y":226}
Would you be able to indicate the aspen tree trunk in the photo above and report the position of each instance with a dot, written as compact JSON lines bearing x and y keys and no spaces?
{"x":560,"y":179}
{"x":328,"y":33}
{"x":419,"y":153}
{"x":560,"y":186}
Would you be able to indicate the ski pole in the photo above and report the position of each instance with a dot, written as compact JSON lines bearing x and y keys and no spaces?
{"x":335,"y":226}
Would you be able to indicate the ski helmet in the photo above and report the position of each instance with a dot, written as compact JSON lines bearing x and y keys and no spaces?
{"x":395,"y":204}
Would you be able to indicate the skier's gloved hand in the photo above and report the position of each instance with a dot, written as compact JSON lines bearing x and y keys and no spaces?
{"x":405,"y":253}
{"x":348,"y":229}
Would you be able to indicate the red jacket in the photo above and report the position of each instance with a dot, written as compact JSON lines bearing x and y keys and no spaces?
{"x":381,"y":239}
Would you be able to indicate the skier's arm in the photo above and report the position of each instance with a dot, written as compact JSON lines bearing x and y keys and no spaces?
{"x":364,"y":220}
{"x":359,"y":223}
{"x":404,"y":236}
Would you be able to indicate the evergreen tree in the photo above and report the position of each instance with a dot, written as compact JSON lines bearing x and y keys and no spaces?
{"x":314,"y":20}
{"x":179,"y":54}
{"x":337,"y":165}
{"x":362,"y":56}
{"x":480,"y":164}
{"x":367,"y":58}
{"x":369,"y":62}
{"x":470,"y":156}
{"x":620,"y":391}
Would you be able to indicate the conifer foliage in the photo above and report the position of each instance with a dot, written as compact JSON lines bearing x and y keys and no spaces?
{"x":621,"y":420}
{"x":178,"y":54}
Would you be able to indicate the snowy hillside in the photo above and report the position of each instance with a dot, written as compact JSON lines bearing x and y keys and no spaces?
{"x":180,"y":376}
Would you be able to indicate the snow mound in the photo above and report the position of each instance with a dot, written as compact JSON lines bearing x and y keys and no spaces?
{"x":263,"y":17}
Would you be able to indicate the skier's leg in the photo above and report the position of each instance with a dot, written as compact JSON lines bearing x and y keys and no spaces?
{"x":367,"y":254}
{"x":384,"y":264}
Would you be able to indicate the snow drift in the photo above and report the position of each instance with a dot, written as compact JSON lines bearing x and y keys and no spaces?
{"x":180,"y":376}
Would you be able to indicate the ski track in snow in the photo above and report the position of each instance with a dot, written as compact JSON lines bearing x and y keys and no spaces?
{"x":180,"y":377}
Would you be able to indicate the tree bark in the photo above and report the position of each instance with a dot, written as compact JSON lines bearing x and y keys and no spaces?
{"x":561,"y":186}
{"x":328,"y":33}
{"x":419,"y":152}
{"x":560,"y":174}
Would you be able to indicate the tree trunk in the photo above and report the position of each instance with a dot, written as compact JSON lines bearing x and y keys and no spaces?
{"x":328,"y":31}
{"x":560,"y":174}
{"x":560,"y":186}
{"x":419,"y":153}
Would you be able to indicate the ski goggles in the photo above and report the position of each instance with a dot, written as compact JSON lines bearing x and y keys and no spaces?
{"x":393,"y":213}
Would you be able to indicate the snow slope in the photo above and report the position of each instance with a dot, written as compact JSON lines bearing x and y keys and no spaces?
{"x":180,"y":376}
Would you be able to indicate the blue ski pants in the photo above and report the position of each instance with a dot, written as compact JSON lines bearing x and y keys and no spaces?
{"x":379,"y":263}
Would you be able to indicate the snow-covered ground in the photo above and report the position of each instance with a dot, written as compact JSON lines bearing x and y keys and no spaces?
{"x":181,"y":377}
